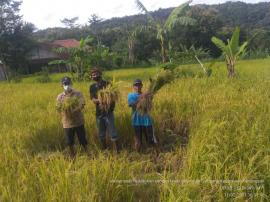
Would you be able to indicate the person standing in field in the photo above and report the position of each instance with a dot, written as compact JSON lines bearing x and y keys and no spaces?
{"x":104,"y":119}
{"x":142,"y":124}
{"x":72,"y":115}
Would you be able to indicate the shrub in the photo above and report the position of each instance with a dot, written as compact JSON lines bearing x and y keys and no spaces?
{"x":44,"y":76}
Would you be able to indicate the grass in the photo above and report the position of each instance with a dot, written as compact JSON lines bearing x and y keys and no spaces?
{"x":121,"y":74}
{"x":213,"y":131}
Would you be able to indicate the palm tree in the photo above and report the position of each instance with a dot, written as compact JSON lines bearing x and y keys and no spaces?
{"x":231,"y":51}
{"x":177,"y":17}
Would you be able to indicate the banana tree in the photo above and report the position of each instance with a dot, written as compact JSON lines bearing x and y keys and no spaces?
{"x":231,"y":51}
{"x":176,"y":18}
{"x":77,"y":58}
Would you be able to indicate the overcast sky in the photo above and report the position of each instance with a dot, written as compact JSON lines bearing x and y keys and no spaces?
{"x":47,"y":13}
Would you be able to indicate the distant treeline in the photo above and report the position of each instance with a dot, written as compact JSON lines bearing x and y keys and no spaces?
{"x":212,"y":20}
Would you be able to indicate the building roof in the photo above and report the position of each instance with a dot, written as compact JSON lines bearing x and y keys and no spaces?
{"x":67,"y":43}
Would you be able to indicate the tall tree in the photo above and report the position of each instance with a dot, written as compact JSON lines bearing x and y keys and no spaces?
{"x":15,"y":36}
{"x":94,"y":19}
{"x":70,"y":22}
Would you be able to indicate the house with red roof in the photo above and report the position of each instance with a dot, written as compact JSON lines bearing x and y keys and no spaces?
{"x":44,"y":53}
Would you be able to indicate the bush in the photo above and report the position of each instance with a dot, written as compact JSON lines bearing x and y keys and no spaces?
{"x":15,"y":77}
{"x":169,"y":66}
{"x":44,"y":79}
{"x":257,"y":54}
{"x":118,"y":61}
{"x":187,"y":55}
{"x":44,"y":76}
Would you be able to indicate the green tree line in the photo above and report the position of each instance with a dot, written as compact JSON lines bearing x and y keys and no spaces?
{"x":137,"y":40}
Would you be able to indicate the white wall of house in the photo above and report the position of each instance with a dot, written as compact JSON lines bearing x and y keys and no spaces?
{"x":42,"y":53}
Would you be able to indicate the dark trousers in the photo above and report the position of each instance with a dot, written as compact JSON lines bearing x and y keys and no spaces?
{"x":70,"y":134}
{"x":148,"y":133}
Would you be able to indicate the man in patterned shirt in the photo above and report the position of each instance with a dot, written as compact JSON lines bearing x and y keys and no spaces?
{"x":73,"y":121}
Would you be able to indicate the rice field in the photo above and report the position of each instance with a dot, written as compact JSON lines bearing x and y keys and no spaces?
{"x":214,"y":137}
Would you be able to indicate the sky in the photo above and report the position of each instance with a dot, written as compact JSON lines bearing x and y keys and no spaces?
{"x":48,"y":13}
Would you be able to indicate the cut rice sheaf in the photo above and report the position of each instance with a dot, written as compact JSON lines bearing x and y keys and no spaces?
{"x":145,"y":102}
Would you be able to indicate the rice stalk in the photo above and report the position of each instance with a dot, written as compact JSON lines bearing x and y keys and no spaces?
{"x":145,"y":102}
{"x":108,"y":96}
{"x":68,"y":105}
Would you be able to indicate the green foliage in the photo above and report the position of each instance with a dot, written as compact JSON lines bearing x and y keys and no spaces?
{"x":70,"y":22}
{"x":87,"y":55}
{"x":256,"y":54}
{"x":231,"y":51}
{"x":187,"y":55}
{"x":118,"y":61}
{"x":15,"y":78}
{"x":44,"y":76}
{"x":15,"y":37}
{"x":176,"y":18}
{"x":168,"y":66}
{"x":211,"y":20}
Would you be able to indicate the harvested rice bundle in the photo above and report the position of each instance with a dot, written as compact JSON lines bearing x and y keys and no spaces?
{"x":68,"y":105}
{"x":162,"y":78}
{"x":108,"y":96}
{"x":145,"y":102}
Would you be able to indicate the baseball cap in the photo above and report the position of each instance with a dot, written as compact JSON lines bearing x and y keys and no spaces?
{"x":137,"y":82}
{"x":66,"y":81}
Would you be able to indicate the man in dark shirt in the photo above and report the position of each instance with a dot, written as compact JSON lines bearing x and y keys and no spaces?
{"x":104,"y":119}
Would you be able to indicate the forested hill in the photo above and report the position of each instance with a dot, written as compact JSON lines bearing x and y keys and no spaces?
{"x":211,"y":20}
{"x":231,"y":13}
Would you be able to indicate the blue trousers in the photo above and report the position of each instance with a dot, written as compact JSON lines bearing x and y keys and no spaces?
{"x":105,"y":123}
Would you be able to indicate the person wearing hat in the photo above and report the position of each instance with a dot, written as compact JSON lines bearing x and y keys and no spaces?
{"x":142,"y":124}
{"x":73,"y":121}
{"x":104,"y":119}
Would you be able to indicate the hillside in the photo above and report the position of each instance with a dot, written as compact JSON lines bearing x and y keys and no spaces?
{"x":212,"y":20}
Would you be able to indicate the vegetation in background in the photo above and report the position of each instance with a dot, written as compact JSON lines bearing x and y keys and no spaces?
{"x":231,"y":51}
{"x":212,"y":20}
{"x":81,"y":59}
{"x":44,"y":76}
{"x":16,"y":39}
{"x":176,"y":18}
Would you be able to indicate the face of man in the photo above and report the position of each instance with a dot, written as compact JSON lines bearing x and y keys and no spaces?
{"x":67,"y":87}
{"x":96,"y":76}
{"x":137,"y":88}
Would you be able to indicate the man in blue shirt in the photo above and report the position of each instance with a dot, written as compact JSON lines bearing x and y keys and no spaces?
{"x":142,"y":124}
